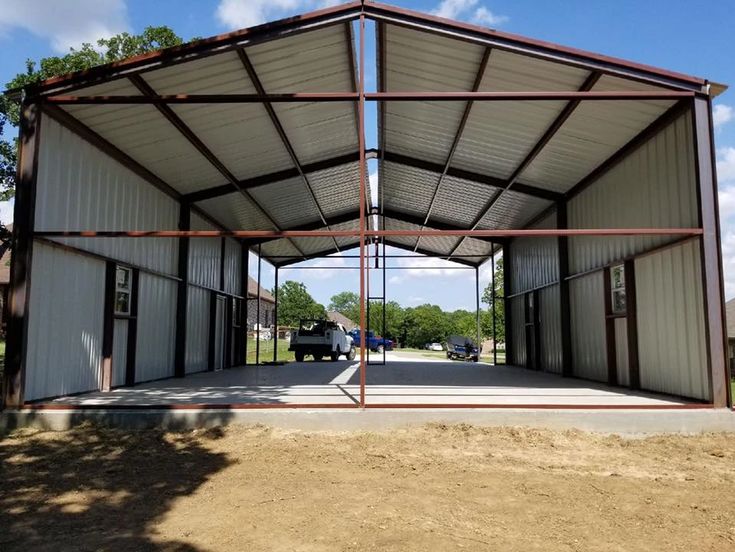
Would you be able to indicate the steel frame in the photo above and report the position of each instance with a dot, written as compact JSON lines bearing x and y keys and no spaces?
{"x":688,"y":91}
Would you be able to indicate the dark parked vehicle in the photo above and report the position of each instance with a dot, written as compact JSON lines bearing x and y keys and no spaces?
{"x":462,"y":348}
{"x":374,"y":342}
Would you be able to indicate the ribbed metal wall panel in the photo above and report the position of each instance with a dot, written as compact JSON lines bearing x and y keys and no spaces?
{"x":671,"y":330}
{"x":119,"y":351}
{"x":551,"y":350}
{"x":197,"y":330}
{"x":154,"y":353}
{"x":517,"y":313}
{"x":587,"y":309}
{"x":622,"y":361}
{"x":64,"y":352}
{"x":204,"y":256}
{"x":233,"y":262}
{"x":535,"y":260}
{"x":592,"y":133}
{"x":81,"y":188}
{"x":655,"y":186}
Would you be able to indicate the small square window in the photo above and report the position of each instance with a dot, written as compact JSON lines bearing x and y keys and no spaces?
{"x":617,"y":289}
{"x":123,"y":284}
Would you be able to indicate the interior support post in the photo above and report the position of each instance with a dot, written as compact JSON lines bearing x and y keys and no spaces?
{"x":182,"y":293}
{"x":363,"y":204}
{"x":507,"y":292}
{"x":20,"y":264}
{"x":257,"y":311}
{"x":244,"y":277}
{"x":477,"y":311}
{"x":275,"y":320}
{"x":712,"y":283}
{"x":494,"y":308}
{"x":565,"y":319}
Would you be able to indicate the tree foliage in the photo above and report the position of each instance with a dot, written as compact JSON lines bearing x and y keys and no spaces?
{"x":87,"y":56}
{"x":496,"y":304}
{"x":295,"y":303}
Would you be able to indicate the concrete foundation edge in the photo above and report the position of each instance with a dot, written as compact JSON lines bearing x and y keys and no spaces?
{"x":622,"y":422}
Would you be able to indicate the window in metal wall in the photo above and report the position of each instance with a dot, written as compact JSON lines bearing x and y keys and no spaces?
{"x":123,"y":287}
{"x":617,"y":289}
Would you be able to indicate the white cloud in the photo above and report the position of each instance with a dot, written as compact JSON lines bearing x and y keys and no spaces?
{"x":373,"y":180}
{"x":6,"y":211}
{"x":726,"y":165}
{"x":468,"y":10}
{"x":65,"y":24}
{"x":323,"y":270}
{"x":722,"y":114}
{"x":236,"y":14}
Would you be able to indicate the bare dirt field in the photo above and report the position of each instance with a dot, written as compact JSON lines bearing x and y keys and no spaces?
{"x":431,"y":488}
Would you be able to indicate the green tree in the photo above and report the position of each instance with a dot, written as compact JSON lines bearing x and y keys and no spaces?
{"x":346,"y":303}
{"x":108,"y":50}
{"x":496,"y":305}
{"x":394,"y":319}
{"x":428,"y":323}
{"x":295,"y":302}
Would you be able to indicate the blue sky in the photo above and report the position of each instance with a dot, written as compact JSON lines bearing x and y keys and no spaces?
{"x":671,"y":34}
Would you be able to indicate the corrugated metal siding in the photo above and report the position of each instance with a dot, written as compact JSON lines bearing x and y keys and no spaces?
{"x":592,"y":133}
{"x":119,"y":351}
{"x":233,"y":262}
{"x":204,"y":256}
{"x":81,"y":188}
{"x":535,"y":260}
{"x":197,"y":330}
{"x":621,"y":351}
{"x":655,"y":186}
{"x":587,"y":308}
{"x":517,"y":314}
{"x":154,"y":356}
{"x":671,"y":329}
{"x":64,"y":323}
{"x":551,"y":350}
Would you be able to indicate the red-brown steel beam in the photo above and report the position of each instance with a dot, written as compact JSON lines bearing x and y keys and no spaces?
{"x":253,"y":75}
{"x":415,"y":96}
{"x":457,"y":136}
{"x":202,"y":148}
{"x":364,"y":232}
{"x":363,"y":203}
{"x":555,"y":126}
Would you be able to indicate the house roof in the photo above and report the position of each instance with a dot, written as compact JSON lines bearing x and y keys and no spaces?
{"x":265,"y":295}
{"x":340,"y":318}
{"x":214,"y":123}
{"x":730,"y":316}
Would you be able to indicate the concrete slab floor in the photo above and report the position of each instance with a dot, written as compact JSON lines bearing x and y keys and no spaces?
{"x":403,"y":380}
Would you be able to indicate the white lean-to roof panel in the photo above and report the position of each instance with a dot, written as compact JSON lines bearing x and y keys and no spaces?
{"x":459,"y":201}
{"x":408,"y":189}
{"x":288,"y":202}
{"x":336,"y":189}
{"x":594,"y":132}
{"x":236,"y":212}
{"x":512,"y":211}
{"x":145,"y":135}
{"x":498,"y":135}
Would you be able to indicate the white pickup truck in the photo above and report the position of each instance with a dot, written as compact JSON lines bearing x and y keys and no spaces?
{"x":320,"y":338}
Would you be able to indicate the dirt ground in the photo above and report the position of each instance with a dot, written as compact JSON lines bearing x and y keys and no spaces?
{"x":431,"y":488}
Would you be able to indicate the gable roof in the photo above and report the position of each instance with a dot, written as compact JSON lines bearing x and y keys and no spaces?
{"x":340,"y":318}
{"x":265,"y":295}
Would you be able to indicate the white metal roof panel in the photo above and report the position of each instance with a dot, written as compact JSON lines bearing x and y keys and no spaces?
{"x":512,"y":211}
{"x":498,"y":135}
{"x":473,"y":247}
{"x":145,"y":135}
{"x":408,"y":189}
{"x":439,"y":244}
{"x":219,"y":74}
{"x":395,"y":224}
{"x":281,"y":247}
{"x":236,"y":212}
{"x":459,"y":201}
{"x":595,"y":131}
{"x":288,"y":202}
{"x":336,"y":189}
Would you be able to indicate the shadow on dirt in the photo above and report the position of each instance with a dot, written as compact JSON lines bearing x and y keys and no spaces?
{"x":98,"y":489}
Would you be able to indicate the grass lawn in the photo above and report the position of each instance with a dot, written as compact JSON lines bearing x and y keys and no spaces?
{"x":266,"y":351}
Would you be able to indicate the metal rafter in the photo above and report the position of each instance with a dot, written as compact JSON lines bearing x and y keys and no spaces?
{"x":457,"y":136}
{"x":585,"y":88}
{"x":201,"y":147}
{"x":281,"y":133}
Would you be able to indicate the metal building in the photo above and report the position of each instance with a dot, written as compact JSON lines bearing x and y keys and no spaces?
{"x":143,"y":184}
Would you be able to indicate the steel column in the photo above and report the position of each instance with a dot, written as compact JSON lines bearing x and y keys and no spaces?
{"x":245,"y":304}
{"x":363,"y":203}
{"x":494,"y":298}
{"x":257,"y":312}
{"x":712,"y":283}
{"x":20,"y":264}
{"x":565,"y":317}
{"x":507,"y":291}
{"x":182,"y":293}
{"x":275,"y":320}
{"x":477,"y":311}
